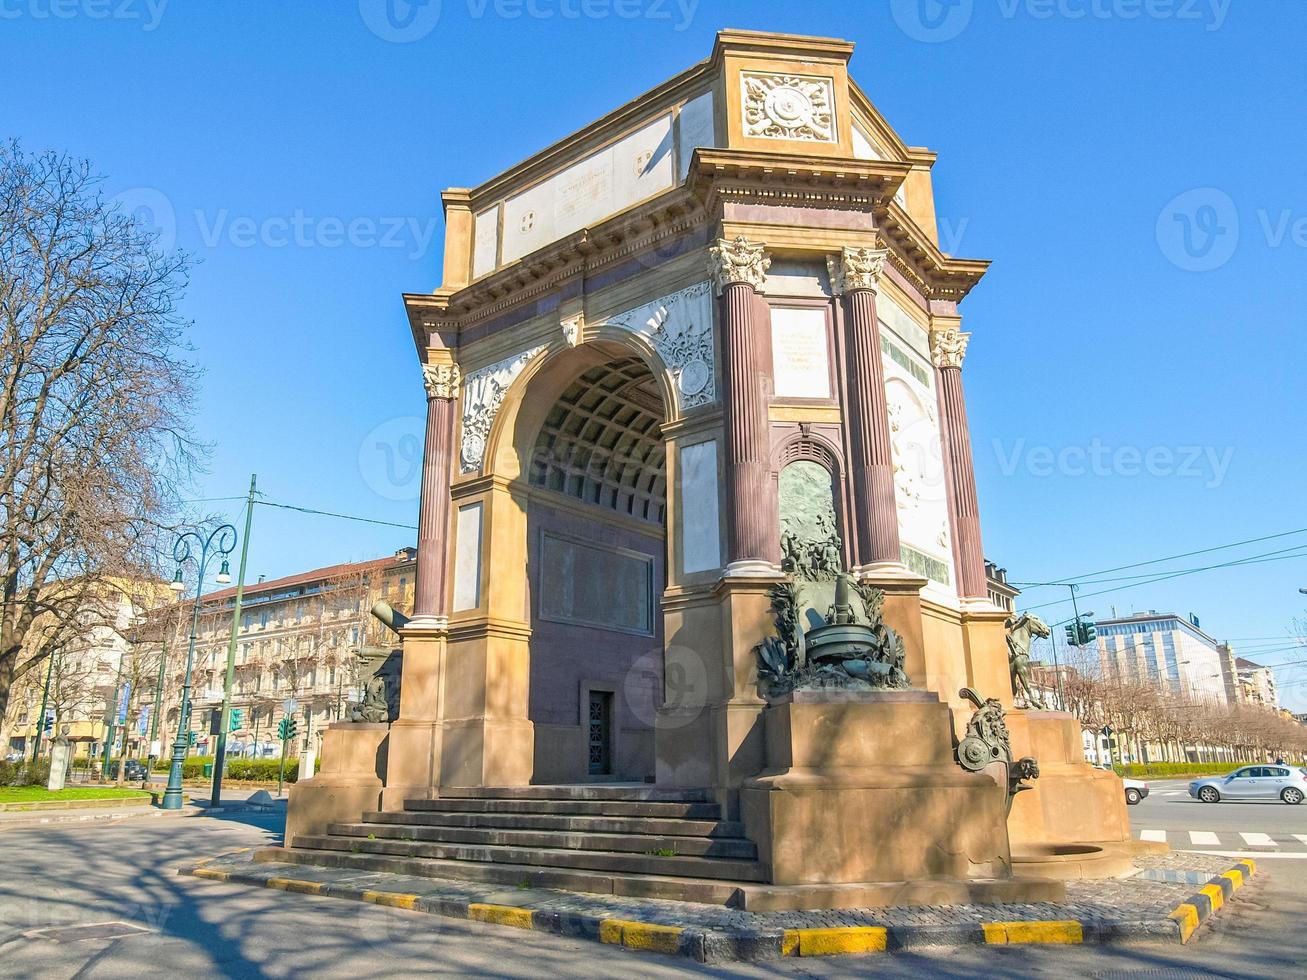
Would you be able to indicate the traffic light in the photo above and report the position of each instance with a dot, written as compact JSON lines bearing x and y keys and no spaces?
{"x":191,"y":738}
{"x":236,"y":721}
{"x":1087,"y":633}
{"x":287,"y":729}
{"x":48,"y":726}
{"x":1072,"y":637}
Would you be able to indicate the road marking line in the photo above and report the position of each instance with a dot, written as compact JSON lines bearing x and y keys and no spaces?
{"x":1257,"y":840}
{"x":1204,"y":838}
{"x":1155,"y":836}
{"x":1301,"y":838}
{"x":1259,"y":855}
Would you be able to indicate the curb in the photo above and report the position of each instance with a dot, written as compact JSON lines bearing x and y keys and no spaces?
{"x":1190,"y":914}
{"x":719,"y":946}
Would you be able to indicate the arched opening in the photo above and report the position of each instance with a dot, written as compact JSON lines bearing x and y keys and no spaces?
{"x":595,"y":482}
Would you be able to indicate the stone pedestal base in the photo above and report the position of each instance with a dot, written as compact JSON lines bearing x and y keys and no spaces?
{"x":1072,"y":823}
{"x":863,"y":789}
{"x":350,"y":781}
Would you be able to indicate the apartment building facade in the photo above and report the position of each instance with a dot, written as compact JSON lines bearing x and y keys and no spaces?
{"x":1166,"y":650}
{"x":298,"y":639}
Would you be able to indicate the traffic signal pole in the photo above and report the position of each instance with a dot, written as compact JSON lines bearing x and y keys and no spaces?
{"x":220,"y":751}
{"x":45,"y":700}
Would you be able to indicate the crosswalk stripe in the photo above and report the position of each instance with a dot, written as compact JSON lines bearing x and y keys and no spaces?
{"x":1258,"y":840}
{"x":1204,"y":837}
{"x":1301,"y":838}
{"x":1155,"y":836}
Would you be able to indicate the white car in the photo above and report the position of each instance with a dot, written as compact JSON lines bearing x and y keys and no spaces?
{"x":1270,"y":782}
{"x":1135,"y":790}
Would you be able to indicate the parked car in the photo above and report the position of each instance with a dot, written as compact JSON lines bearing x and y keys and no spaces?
{"x":1135,"y":790}
{"x":1253,"y":783}
{"x":133,"y":770}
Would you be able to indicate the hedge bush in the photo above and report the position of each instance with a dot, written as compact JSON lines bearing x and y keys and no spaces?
{"x":253,"y":770}
{"x":24,"y":772}
{"x":1162,"y":770}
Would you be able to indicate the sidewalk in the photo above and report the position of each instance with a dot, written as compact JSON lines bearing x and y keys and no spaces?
{"x":99,"y":812}
{"x":1165,"y":899}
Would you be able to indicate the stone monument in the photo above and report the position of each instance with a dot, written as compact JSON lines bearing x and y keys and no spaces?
{"x":698,"y":509}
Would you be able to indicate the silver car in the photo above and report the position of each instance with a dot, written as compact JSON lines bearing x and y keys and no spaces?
{"x":1271,"y":782}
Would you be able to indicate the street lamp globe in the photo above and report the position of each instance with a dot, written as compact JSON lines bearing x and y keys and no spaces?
{"x":177,"y":585}
{"x":224,"y":574}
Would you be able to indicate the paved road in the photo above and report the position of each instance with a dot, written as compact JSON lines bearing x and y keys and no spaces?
{"x":176,"y":926}
{"x":1254,"y":828}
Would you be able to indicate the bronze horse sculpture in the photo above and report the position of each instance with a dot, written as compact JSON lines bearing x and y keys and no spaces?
{"x":1022,"y":630}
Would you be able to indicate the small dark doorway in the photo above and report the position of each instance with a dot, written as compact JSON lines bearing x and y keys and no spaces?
{"x":601,"y":733}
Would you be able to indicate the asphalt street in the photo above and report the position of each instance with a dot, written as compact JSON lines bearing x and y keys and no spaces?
{"x":1251,"y":828}
{"x":105,"y":901}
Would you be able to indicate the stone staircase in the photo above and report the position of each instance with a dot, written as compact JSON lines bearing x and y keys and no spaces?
{"x":632,"y":841}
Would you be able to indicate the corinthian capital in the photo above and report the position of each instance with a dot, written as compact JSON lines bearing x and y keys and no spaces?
{"x":948,"y":347}
{"x":738,"y":261}
{"x":855,"y":268}
{"x":441,"y":380}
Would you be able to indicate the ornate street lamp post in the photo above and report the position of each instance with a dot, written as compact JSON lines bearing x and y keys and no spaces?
{"x":221,"y":541}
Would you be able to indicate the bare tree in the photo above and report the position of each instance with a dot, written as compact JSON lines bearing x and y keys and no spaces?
{"x":94,"y":399}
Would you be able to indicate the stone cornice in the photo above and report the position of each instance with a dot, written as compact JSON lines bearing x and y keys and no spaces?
{"x":789,"y":179}
{"x":716,"y":176}
{"x":920,"y":260}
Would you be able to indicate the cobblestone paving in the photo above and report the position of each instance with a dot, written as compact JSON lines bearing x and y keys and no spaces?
{"x":1109,"y":902}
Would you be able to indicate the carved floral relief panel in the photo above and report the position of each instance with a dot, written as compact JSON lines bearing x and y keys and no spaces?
{"x":483,"y":393}
{"x":679,"y":327}
{"x":788,"y":107}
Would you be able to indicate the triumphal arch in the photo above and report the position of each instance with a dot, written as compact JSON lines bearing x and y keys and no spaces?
{"x":701,"y":607}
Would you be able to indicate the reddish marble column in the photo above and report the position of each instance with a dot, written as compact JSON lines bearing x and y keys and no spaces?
{"x":876,"y":517}
{"x":739,"y":269}
{"x":948,"y":347}
{"x":429,"y":599}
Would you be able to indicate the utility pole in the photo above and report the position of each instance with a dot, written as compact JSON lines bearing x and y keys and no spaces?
{"x":158,"y":698}
{"x":45,"y":700}
{"x":110,"y":717}
{"x":1057,"y":672}
{"x":220,"y":753}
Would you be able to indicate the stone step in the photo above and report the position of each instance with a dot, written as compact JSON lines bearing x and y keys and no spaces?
{"x":614,"y":861}
{"x":675,"y":827}
{"x":630,"y":792}
{"x":591,"y":808}
{"x":718,"y":847}
{"x":706,"y":891}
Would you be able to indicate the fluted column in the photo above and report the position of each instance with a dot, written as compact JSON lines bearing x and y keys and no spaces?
{"x":429,"y":600}
{"x":947,"y":349}
{"x":855,"y":273}
{"x":739,"y":271}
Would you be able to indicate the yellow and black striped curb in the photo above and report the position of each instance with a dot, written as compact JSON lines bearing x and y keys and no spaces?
{"x":718,"y":945}
{"x":1192,"y":912}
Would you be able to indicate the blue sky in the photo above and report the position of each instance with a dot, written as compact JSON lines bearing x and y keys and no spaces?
{"x":1132,"y":167}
